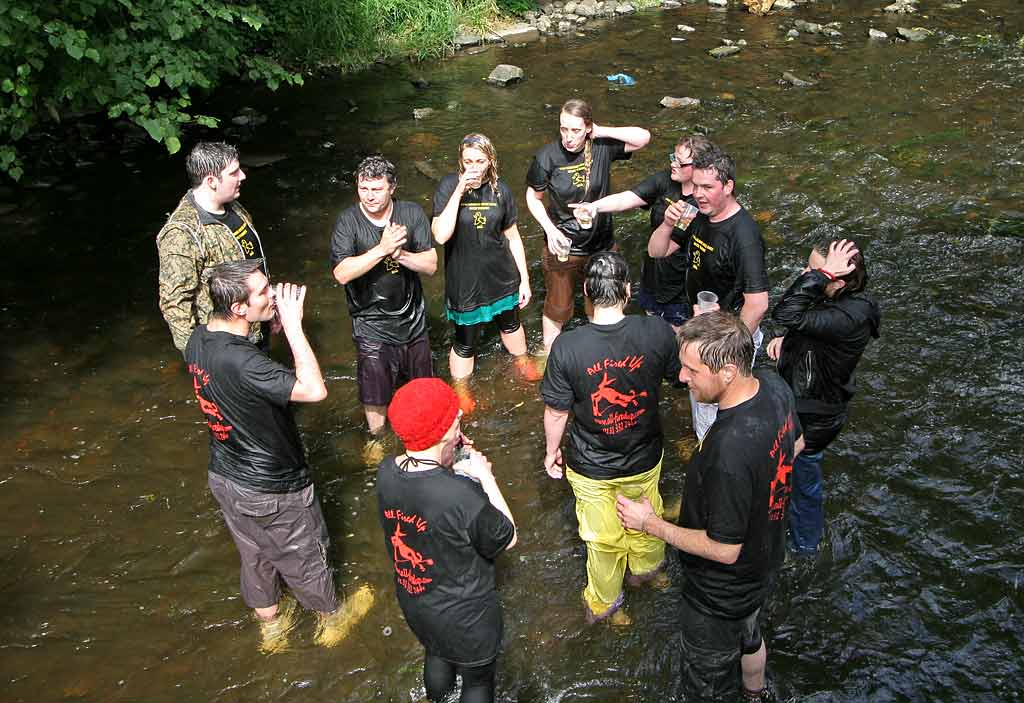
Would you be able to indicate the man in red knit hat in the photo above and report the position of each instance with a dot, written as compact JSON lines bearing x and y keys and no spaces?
{"x":445,"y":584}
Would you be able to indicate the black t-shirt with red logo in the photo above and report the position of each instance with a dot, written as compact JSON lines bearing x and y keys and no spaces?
{"x":610,"y":376}
{"x":563,"y":175}
{"x":443,"y":534}
{"x":737,"y":489}
{"x":245,"y":397}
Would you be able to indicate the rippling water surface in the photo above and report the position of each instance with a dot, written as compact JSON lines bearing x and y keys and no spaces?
{"x":119,"y":581}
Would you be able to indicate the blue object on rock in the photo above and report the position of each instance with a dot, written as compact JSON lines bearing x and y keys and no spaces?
{"x":622,"y":79}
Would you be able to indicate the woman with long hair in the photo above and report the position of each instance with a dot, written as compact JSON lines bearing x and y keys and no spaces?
{"x":485,"y":264}
{"x":575,"y":169}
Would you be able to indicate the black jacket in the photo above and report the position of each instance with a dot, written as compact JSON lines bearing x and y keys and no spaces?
{"x":825,"y":338}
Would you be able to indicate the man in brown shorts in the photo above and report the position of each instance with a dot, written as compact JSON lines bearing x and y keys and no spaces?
{"x":258,"y":471}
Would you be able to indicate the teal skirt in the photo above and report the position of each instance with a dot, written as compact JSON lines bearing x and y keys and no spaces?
{"x":484,"y":313}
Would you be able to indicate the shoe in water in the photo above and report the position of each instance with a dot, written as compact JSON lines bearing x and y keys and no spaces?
{"x":373,"y":452}
{"x":274,"y":633}
{"x":526,"y":369}
{"x":334,"y":627}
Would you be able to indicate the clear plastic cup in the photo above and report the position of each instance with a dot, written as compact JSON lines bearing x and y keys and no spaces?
{"x":584,"y":217}
{"x":707,"y":301}
{"x":689,"y":212}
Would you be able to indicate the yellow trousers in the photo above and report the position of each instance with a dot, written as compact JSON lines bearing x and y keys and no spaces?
{"x":610,"y":547}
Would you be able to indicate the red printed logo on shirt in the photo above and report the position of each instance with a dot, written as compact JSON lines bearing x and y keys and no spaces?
{"x":410,"y":564}
{"x":778,"y":494}
{"x":214,"y":419}
{"x":606,"y":398}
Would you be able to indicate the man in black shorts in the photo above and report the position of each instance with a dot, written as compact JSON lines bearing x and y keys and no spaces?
{"x":726,"y":254}
{"x":732,"y":528}
{"x":378,"y":249}
{"x":258,"y":471}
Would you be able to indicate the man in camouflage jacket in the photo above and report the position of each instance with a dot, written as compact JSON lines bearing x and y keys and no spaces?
{"x":207,"y":228}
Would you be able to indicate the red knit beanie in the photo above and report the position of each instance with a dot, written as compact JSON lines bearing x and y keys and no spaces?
{"x":421,"y":412}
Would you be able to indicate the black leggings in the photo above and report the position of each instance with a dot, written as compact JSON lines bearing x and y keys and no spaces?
{"x":466,"y":336}
{"x":477,"y":681}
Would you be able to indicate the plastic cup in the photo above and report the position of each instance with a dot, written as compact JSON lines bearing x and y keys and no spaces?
{"x":707,"y":301}
{"x":584,"y":217}
{"x":689,"y":212}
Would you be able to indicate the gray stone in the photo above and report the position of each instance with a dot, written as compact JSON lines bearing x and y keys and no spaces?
{"x":581,"y":21}
{"x":797,"y":82}
{"x":624,"y":9}
{"x":951,"y":6}
{"x":741,"y":42}
{"x":530,"y":16}
{"x":564,"y":26}
{"x":670,"y":4}
{"x":831,"y":33}
{"x":519,"y":34}
{"x":877,"y":34}
{"x":670,"y":102}
{"x":586,"y":10}
{"x":792,"y":34}
{"x":422,"y":113}
{"x":721,"y":51}
{"x":427,"y":170}
{"x":783,"y":5}
{"x":685,"y":28}
{"x":570,"y":7}
{"x":504,"y":73}
{"x":809,"y":27}
{"x":544,"y":24}
{"x":468,"y":39}
{"x":914,"y":34}
{"x":902,"y":7}
{"x":718,"y":3}
{"x":728,"y":42}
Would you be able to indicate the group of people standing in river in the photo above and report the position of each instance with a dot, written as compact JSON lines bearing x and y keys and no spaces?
{"x":755,"y":475}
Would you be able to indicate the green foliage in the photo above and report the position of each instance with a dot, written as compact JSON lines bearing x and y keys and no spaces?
{"x":140,"y":59}
{"x":516,"y":7}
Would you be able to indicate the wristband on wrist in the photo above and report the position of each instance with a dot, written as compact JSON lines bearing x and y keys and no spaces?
{"x":828,"y":275}
{"x":643,"y":523}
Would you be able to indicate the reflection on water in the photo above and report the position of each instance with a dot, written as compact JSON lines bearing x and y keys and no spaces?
{"x":120,"y":582}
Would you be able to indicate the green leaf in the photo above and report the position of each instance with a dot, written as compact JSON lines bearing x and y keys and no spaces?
{"x":93,"y":55}
{"x":15,"y":173}
{"x":155,"y":128}
{"x":75,"y":51}
{"x":153,"y":81}
{"x":173,"y":145}
{"x":7,"y":86}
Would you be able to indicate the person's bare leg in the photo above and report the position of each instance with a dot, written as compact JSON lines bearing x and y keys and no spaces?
{"x":268,"y":613}
{"x":460,"y":367}
{"x":753,"y":669}
{"x":551,"y":329}
{"x":515,"y":342}
{"x":376,"y":417}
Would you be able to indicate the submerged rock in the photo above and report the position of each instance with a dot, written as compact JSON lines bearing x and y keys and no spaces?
{"x":519,"y":34}
{"x":784,"y":5}
{"x":421,"y":113}
{"x":809,"y":27}
{"x":797,"y":82}
{"x":722,"y":51}
{"x":427,"y":170}
{"x":902,"y":7}
{"x":670,"y":102}
{"x":792,"y":34}
{"x":914,"y":34}
{"x":505,"y":73}
{"x":718,"y":3}
{"x":759,"y":7}
{"x":877,"y":34}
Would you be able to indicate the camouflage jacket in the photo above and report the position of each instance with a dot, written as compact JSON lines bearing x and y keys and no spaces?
{"x":190,"y":242}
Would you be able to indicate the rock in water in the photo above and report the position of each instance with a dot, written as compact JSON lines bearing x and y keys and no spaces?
{"x":671,"y":102}
{"x":427,"y":170}
{"x":809,"y":27}
{"x":759,"y":7}
{"x":797,"y":82}
{"x":718,"y":3}
{"x":421,"y":113}
{"x":915,"y":34}
{"x":783,"y":5}
{"x":721,"y":51}
{"x":877,"y":34}
{"x":504,"y":73}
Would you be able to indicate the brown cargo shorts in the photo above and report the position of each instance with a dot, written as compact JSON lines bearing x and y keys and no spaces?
{"x":561,"y":279}
{"x":279,"y":536}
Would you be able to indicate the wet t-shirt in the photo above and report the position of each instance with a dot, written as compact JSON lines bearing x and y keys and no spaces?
{"x":241,"y":231}
{"x":664,"y":278}
{"x":442,"y":535}
{"x":725,"y":257}
{"x":563,"y":175}
{"x":385,"y":303}
{"x":478,"y":264}
{"x":245,"y":396}
{"x":737,"y":489}
{"x":609,"y":376}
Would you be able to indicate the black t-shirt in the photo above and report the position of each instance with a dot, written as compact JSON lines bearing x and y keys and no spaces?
{"x":478,"y":265}
{"x":609,"y":376}
{"x":564,"y":175}
{"x":726,"y":258}
{"x":664,"y":278}
{"x":245,"y":395}
{"x":443,"y":534}
{"x":385,"y":303}
{"x":737,"y":488}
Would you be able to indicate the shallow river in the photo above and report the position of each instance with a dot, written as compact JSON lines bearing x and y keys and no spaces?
{"x":119,"y":581}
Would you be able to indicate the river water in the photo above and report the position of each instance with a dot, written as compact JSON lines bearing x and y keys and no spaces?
{"x":119,"y":581}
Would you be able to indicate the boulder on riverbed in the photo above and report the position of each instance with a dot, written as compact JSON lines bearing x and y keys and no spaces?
{"x":723,"y":51}
{"x":673,"y":103}
{"x":913,"y":34}
{"x":505,"y":74}
{"x":796,"y":82}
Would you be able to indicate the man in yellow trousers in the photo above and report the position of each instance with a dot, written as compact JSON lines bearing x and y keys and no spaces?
{"x":608,"y":375}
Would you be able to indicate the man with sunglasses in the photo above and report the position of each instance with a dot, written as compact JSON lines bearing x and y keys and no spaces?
{"x":667,"y":193}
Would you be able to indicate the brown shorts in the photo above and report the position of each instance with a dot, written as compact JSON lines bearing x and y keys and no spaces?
{"x":381,"y":368}
{"x":561,"y":279}
{"x":278,"y":535}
